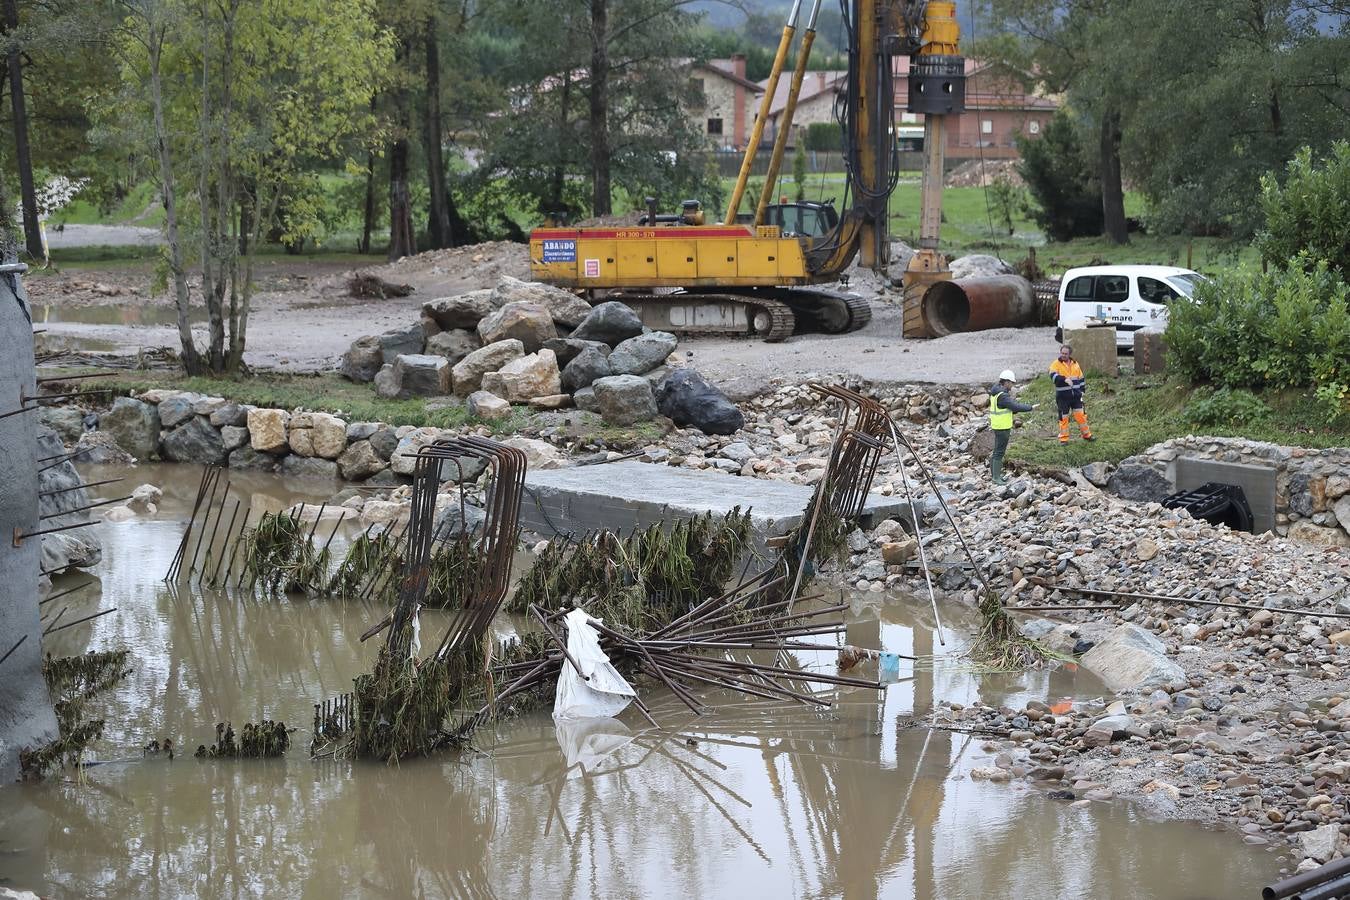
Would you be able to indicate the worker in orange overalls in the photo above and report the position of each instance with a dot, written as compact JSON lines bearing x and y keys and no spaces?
{"x":1069,"y":387}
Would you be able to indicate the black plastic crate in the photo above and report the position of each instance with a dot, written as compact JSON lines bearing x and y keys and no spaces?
{"x":1215,"y":502}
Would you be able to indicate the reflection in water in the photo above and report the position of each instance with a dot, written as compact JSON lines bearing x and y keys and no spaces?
{"x":756,"y":799}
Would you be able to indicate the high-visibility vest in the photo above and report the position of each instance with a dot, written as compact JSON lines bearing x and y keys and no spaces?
{"x":1071,"y":372}
{"x":999,"y":419}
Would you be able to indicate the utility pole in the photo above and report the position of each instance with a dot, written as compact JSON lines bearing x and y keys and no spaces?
{"x":31,"y":230}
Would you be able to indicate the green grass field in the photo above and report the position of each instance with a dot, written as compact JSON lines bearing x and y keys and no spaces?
{"x":1131,"y":413}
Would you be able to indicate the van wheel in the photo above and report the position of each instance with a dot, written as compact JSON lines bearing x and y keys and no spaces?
{"x":1059,"y":335}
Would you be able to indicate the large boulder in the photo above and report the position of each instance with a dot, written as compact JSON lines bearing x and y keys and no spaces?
{"x":687,"y":399}
{"x":134,"y":425}
{"x":386,"y":382}
{"x":99,"y":448}
{"x":66,"y":421}
{"x":384,"y":441}
{"x":174,"y":411}
{"x":528,"y":323}
{"x":639,"y":355}
{"x":406,"y":341}
{"x":462,"y":311}
{"x":317,"y":434}
{"x":535,"y":375}
{"x":194,"y":442}
{"x":308,"y":467}
{"x":584,"y":368}
{"x":568,"y":348}
{"x":362,"y":359}
{"x":60,"y":495}
{"x":469,"y":371}
{"x":233,"y":436}
{"x":1138,"y":481}
{"x":231,"y":414}
{"x":980,"y":265}
{"x":1318,"y":535}
{"x":585,"y":400}
{"x":611,"y":323}
{"x":267,"y":430}
{"x":624,"y":399}
{"x":538,"y":454}
{"x":567,"y":309}
{"x":360,"y":461}
{"x":250,"y":460}
{"x":421,"y":375}
{"x":404,"y":458}
{"x":1132,"y":659}
{"x":488,"y":406}
{"x":454,"y":345}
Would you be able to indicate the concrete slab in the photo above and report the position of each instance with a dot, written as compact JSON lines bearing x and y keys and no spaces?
{"x":1257,"y":482}
{"x":625,"y":495}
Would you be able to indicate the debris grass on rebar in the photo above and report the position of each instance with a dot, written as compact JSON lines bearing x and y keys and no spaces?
{"x":74,"y":681}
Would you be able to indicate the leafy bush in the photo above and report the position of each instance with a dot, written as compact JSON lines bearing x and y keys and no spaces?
{"x":1310,"y":212}
{"x":1062,"y":179}
{"x":824,"y":136}
{"x":1288,"y":328}
{"x":1225,"y":407}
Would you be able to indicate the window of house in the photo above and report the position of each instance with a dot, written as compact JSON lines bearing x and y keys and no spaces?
{"x":696,"y":88}
{"x":714,"y":126}
{"x":986,"y":126}
{"x":1034,"y":127}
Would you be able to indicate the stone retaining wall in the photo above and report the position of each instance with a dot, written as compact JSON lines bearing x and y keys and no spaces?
{"x":1312,"y":487}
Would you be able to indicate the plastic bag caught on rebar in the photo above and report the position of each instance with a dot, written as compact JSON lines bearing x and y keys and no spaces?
{"x":598,"y":690}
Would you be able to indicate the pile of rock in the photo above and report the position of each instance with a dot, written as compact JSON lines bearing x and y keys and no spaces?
{"x":537,"y":345}
{"x":179,"y":426}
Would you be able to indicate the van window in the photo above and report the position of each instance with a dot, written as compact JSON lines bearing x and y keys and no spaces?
{"x":1113,"y":288}
{"x":1151,"y":290}
{"x":1080,"y":288}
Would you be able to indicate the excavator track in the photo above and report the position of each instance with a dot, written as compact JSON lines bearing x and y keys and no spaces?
{"x":830,"y":312}
{"x":713,"y":313}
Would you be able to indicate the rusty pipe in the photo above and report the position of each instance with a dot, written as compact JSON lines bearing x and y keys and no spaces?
{"x":977,"y":304}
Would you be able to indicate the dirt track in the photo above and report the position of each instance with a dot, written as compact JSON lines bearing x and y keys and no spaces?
{"x":303,"y":320}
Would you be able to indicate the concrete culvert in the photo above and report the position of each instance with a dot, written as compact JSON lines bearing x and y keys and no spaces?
{"x":976,"y":304}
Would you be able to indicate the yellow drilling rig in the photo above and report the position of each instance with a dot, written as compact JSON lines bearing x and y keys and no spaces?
{"x":753,"y":274}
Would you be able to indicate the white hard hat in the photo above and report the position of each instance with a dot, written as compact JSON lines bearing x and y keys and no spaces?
{"x":1006,"y":375}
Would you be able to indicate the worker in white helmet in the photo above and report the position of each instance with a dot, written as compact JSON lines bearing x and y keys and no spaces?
{"x":1002,"y":405}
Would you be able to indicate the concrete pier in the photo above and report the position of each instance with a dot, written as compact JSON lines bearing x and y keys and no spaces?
{"x":621,"y":496}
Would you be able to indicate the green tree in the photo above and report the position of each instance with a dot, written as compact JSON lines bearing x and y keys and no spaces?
{"x":245,"y":99}
{"x":1061,"y":180}
{"x":1308,"y":216}
{"x":1213,"y":116}
{"x":1066,"y":44}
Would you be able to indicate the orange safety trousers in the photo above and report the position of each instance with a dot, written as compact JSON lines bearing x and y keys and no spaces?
{"x":1078,"y":416}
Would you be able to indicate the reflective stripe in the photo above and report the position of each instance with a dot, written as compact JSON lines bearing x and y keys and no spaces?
{"x":999,"y":419}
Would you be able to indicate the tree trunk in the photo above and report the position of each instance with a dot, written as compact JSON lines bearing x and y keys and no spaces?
{"x":368,"y":214}
{"x":192,"y":362}
{"x":213,"y":282}
{"x":557,"y":178}
{"x":32,"y":231}
{"x":1113,"y":193}
{"x":438,"y":213}
{"x":401,"y":240}
{"x":599,"y":109}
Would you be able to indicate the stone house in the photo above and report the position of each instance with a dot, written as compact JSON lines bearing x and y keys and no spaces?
{"x":728,"y":101}
{"x":998,"y":109}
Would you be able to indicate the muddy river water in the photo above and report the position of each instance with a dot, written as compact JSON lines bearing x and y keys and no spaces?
{"x":753,"y":800}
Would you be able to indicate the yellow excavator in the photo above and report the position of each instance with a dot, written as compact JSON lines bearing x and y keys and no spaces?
{"x":753,"y":274}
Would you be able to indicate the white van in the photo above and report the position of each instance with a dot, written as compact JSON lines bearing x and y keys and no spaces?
{"x":1133,"y":297}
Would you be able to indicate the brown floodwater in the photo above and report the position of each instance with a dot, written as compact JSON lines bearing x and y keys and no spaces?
{"x":753,"y":800}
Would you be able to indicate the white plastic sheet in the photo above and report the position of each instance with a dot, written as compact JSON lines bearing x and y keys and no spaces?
{"x":604,"y":692}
